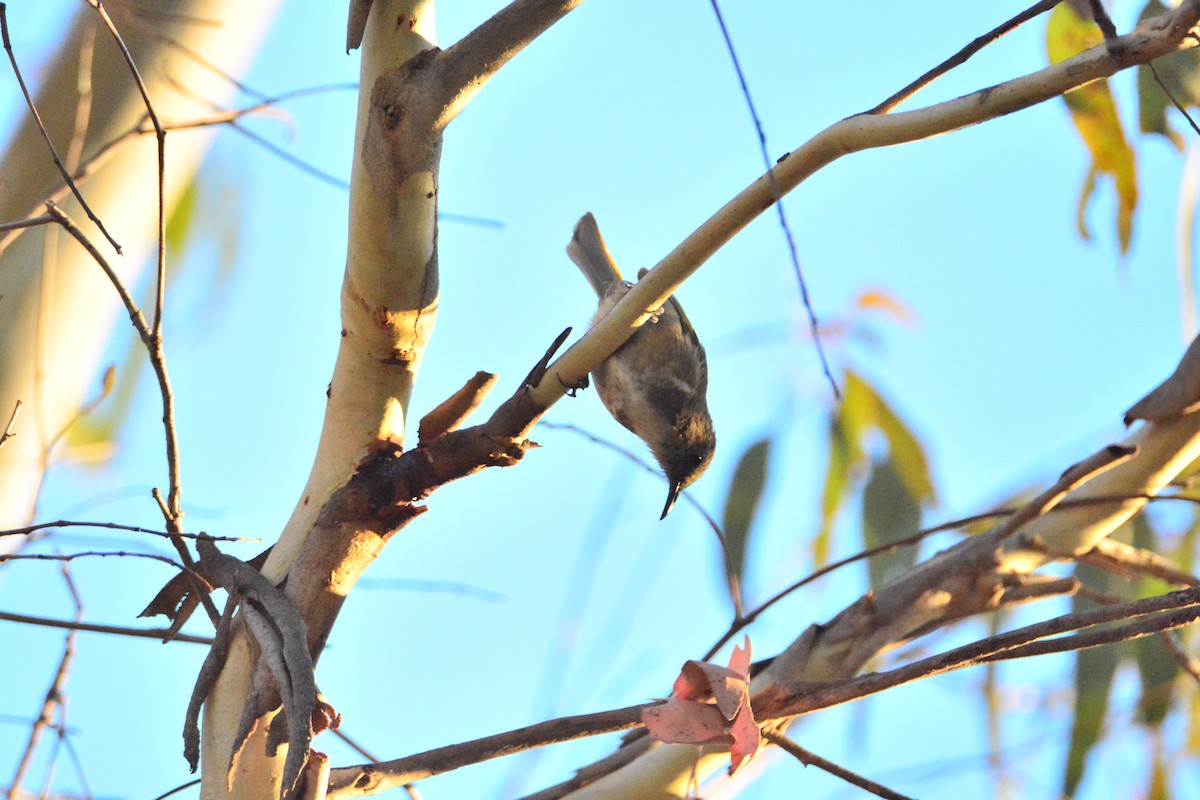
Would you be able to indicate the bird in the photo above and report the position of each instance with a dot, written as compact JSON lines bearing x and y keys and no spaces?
{"x":656,"y":383}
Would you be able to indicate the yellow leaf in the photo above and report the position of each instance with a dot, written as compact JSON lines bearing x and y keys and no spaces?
{"x":1094,"y":112}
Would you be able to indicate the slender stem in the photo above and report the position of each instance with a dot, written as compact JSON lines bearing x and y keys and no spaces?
{"x":12,"y":423}
{"x":161,"y":634}
{"x":37,"y":118}
{"x":962,"y":55}
{"x":810,"y":759}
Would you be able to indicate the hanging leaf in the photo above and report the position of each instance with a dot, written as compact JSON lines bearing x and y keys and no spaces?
{"x":1156,"y":667}
{"x":863,"y":416}
{"x":741,"y":506}
{"x":889,"y":512}
{"x":1094,"y":112}
{"x":1094,"y":672}
{"x":1180,"y":72}
{"x":907,"y":457}
{"x":851,"y":419}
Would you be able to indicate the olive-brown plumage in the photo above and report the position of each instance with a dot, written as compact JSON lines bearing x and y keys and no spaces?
{"x":654,"y":384}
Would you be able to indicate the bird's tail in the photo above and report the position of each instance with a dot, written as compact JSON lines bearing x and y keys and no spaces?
{"x":587,"y":250}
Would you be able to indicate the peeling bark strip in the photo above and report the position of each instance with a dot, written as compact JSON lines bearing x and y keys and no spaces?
{"x":282,"y":639}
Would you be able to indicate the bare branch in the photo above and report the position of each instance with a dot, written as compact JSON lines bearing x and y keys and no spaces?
{"x":153,"y":344}
{"x":109,"y":149}
{"x":961,"y":57}
{"x":115,"y":630}
{"x":37,"y":118}
{"x":1114,"y":556}
{"x":646,"y":466}
{"x":369,"y":779}
{"x":9,"y":429}
{"x":464,"y":67}
{"x":1151,"y":615}
{"x":1147,"y":616}
{"x":1154,"y":38}
{"x":161,"y":136}
{"x":66,"y":523}
{"x":22,"y":224}
{"x":52,"y":702}
{"x":454,"y":410}
{"x":811,"y":759}
{"x":89,"y":554}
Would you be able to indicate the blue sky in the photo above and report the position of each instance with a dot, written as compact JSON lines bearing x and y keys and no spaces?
{"x":1026,"y":346}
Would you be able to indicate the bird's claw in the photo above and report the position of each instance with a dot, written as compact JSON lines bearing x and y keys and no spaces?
{"x":572,"y":388}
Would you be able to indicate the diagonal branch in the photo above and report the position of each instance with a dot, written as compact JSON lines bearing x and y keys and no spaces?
{"x":464,"y":67}
{"x":1150,"y":40}
{"x":1136,"y":619}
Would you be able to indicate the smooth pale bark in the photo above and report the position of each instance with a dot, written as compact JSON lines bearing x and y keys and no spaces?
{"x":389,"y":304}
{"x":56,"y":307}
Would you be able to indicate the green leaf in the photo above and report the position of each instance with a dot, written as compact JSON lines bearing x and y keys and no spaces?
{"x":741,"y":506}
{"x":889,"y":512}
{"x":1094,"y":112}
{"x":1094,"y":672}
{"x":1156,"y":667}
{"x":1180,"y":72}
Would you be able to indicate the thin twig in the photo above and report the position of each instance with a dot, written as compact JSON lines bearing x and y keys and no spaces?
{"x":12,"y":422}
{"x":86,"y":554}
{"x":200,"y":585}
{"x":960,"y":58}
{"x":68,"y":523}
{"x":1151,"y":615}
{"x":54,"y":696}
{"x":114,"y":146}
{"x":1103,"y":21}
{"x":180,"y":788}
{"x":291,"y":158}
{"x":1166,"y":34}
{"x":21,"y":224}
{"x":1170,"y":96}
{"x":155,"y":341}
{"x":1170,"y":642}
{"x":161,"y":137}
{"x":1073,"y":477}
{"x":811,"y":759}
{"x":353,"y":745}
{"x":1154,"y":614}
{"x":115,"y":630}
{"x":641,"y":462}
{"x":1114,"y":556}
{"x":378,"y":776}
{"x":813,"y":324}
{"x":153,"y":345}
{"x":37,"y":118}
{"x":739,"y":625}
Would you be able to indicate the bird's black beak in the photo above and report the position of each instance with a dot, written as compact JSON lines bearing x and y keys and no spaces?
{"x":672,"y":495}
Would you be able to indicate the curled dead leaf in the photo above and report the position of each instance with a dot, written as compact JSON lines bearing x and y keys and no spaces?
{"x":688,"y":716}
